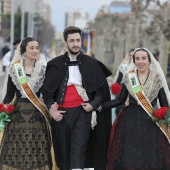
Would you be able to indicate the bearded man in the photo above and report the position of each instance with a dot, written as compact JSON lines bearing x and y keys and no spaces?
{"x":75,"y":85}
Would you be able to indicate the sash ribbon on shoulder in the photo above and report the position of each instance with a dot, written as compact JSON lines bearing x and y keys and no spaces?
{"x":27,"y":90}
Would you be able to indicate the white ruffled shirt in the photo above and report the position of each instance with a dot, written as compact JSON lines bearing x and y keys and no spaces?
{"x":74,"y":74}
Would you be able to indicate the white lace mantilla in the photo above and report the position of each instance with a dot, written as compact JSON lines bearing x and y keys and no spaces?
{"x":35,"y":80}
{"x":151,"y":87}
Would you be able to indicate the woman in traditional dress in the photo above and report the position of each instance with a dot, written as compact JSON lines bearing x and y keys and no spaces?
{"x":26,"y":142}
{"x":137,"y":142}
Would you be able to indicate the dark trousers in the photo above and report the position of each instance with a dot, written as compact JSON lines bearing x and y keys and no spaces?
{"x":70,"y":137}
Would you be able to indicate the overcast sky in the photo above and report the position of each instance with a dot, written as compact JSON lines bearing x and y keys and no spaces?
{"x":59,"y":8}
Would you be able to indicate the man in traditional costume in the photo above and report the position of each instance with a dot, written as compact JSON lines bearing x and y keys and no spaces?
{"x":77,"y":83}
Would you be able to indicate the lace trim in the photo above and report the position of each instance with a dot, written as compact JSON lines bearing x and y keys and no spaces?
{"x":151,"y":87}
{"x":82,"y":92}
{"x":36,"y":77}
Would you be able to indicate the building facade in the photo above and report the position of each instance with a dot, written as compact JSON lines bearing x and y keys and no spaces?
{"x":75,"y":17}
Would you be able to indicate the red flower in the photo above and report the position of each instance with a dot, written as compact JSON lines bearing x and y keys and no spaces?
{"x":160,"y":113}
{"x":6,"y":108}
{"x":2,"y":108}
{"x":115,"y":88}
{"x":9,"y":108}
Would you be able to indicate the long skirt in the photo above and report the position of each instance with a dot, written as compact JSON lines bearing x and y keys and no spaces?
{"x":137,"y":143}
{"x":26,"y":141}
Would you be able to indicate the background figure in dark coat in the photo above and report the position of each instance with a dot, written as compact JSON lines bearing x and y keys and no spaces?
{"x":5,"y":49}
{"x":78,"y":84}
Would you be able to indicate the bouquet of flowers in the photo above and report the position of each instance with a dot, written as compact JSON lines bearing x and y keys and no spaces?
{"x":5,"y":114}
{"x":162,"y":116}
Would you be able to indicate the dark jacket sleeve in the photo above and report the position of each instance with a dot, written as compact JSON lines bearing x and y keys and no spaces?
{"x":96,"y":102}
{"x":11,"y":89}
{"x":118,"y":101}
{"x":119,"y":79}
{"x":162,"y":98}
{"x":47,"y":97}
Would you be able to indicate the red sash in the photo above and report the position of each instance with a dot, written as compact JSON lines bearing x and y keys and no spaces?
{"x":72,"y":98}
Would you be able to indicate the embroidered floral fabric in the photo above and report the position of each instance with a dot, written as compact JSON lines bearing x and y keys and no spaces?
{"x":137,"y":144}
{"x":26,"y":142}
